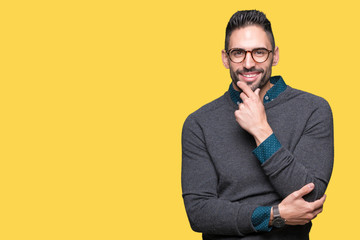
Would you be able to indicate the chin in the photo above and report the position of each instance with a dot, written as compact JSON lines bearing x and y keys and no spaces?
{"x":254,"y":85}
{"x":260,"y":84}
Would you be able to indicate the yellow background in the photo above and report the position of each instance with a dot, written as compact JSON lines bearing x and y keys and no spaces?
{"x":93,"y":96}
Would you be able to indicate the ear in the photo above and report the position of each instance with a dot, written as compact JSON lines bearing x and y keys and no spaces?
{"x":225,"y":59}
{"x":276,"y":56}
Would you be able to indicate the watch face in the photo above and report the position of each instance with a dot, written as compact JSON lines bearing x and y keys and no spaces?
{"x":278,"y":222}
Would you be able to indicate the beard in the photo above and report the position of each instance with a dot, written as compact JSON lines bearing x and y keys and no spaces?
{"x":259,"y":84}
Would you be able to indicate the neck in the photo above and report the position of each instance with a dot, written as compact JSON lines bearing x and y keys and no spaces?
{"x":264,"y":89}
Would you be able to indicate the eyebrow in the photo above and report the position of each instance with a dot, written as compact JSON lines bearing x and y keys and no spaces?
{"x":247,"y":50}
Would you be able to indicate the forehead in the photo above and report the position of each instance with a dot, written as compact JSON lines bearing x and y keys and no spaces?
{"x":249,"y":37}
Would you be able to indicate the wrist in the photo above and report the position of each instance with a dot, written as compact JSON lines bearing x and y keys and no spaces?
{"x":271,"y":216}
{"x":262,"y":133}
{"x":278,"y":221}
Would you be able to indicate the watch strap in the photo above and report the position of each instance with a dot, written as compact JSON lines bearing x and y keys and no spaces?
{"x":278,"y":221}
{"x":276,"y":211}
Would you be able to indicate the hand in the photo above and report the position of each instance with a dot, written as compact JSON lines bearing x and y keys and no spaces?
{"x":251,"y":114}
{"x":296,"y":211}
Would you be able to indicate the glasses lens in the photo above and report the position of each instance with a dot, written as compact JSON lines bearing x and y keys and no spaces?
{"x":260,"y":55}
{"x":237,"y":55}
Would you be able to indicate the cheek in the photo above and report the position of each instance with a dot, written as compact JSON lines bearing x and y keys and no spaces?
{"x":234,"y":68}
{"x":231,"y":68}
{"x":267,"y":68}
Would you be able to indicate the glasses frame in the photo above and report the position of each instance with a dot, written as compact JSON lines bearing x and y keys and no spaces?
{"x":251,"y":53}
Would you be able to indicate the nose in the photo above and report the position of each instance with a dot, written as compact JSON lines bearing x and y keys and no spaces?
{"x":248,"y":61}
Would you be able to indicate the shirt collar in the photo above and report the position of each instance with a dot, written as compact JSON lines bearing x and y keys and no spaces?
{"x":271,"y":94}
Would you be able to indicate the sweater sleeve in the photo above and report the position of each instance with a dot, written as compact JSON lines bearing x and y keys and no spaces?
{"x":207,"y":213}
{"x":261,"y":216}
{"x":267,"y":148}
{"x":311,"y":160}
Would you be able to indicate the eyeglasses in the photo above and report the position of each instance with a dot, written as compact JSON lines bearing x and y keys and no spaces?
{"x":237,"y":55}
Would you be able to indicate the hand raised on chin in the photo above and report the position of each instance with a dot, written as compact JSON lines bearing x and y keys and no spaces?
{"x":251,"y":114}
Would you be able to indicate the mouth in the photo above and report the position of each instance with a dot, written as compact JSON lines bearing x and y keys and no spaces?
{"x":249,"y":76}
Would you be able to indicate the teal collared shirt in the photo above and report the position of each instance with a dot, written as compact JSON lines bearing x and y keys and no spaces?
{"x":261,"y":215}
{"x":271,"y":94}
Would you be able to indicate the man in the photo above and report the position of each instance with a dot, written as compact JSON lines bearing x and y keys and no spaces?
{"x":257,"y":160}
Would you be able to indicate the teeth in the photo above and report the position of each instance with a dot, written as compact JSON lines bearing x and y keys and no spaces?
{"x":252,"y":75}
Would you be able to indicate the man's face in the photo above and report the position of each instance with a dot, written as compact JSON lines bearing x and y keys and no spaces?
{"x":255,"y":75}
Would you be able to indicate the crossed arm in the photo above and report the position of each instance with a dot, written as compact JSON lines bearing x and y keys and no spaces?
{"x":251,"y":116}
{"x":207,"y":213}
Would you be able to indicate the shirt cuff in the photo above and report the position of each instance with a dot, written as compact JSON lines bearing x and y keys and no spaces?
{"x":260,"y":219}
{"x":267,"y":148}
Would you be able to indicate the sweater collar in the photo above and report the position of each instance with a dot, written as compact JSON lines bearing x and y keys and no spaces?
{"x":271,"y":94}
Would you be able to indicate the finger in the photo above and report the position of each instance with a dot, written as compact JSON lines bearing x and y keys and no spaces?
{"x":318,"y":203}
{"x":320,"y":208}
{"x":304,"y":190}
{"x":241,"y":106}
{"x":317,"y":212}
{"x":257,"y":92}
{"x":245,"y":88}
{"x":243,"y":96}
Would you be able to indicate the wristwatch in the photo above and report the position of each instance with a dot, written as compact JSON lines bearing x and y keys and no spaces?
{"x":278,"y":221}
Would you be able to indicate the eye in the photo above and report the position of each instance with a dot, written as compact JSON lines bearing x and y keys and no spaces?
{"x":260,"y":52}
{"x":238,"y":53}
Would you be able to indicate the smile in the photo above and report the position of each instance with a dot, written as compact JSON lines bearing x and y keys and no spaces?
{"x":249,"y":75}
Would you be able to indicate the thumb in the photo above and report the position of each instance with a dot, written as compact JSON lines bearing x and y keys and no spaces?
{"x":304,"y":190}
{"x":257,"y":91}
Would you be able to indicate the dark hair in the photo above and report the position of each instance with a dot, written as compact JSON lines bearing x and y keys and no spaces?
{"x":246,"y":18}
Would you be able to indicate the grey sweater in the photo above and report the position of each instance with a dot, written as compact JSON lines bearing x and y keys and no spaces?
{"x":223,"y":182}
